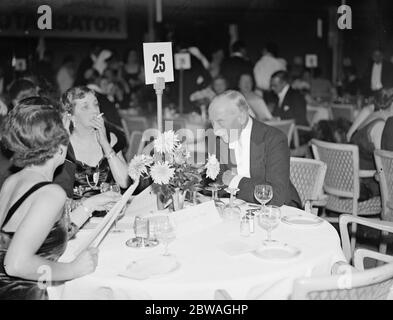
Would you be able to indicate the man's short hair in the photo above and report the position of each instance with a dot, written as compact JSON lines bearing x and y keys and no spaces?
{"x":235,"y":96}
{"x":282,"y":75}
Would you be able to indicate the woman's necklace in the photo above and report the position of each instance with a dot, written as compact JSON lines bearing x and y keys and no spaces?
{"x":39,"y":173}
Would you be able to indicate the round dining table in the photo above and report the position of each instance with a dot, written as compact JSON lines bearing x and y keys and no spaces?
{"x":211,"y":255}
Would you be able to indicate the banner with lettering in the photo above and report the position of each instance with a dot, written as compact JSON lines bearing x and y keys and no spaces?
{"x":103,"y":19}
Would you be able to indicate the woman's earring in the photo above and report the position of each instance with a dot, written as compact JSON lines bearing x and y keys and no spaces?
{"x":61,"y":152}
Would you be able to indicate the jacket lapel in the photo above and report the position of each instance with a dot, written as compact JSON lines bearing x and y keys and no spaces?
{"x":257,"y":150}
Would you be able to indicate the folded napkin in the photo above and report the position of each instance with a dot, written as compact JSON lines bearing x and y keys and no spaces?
{"x":151,"y":266}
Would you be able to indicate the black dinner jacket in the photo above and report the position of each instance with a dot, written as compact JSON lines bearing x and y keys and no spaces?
{"x":386,"y":76}
{"x":269,"y":164}
{"x":294,"y":106}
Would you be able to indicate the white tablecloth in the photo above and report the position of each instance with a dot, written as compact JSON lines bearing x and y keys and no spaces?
{"x":205,"y":266}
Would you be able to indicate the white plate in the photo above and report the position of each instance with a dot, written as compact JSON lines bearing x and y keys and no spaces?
{"x":300,"y":220}
{"x":152,"y":267}
{"x":277,"y":252}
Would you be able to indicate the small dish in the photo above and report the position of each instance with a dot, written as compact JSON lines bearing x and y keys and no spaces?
{"x":277,"y":252}
{"x":302,"y":220}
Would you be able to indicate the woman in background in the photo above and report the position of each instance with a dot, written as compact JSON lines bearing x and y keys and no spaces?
{"x":368,"y":137}
{"x":258,"y":108}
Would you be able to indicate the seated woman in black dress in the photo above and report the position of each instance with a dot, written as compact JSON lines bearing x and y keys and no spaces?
{"x":368,"y":137}
{"x":33,"y":223}
{"x":93,"y":157}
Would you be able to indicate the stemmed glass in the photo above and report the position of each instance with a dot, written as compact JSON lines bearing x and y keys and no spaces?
{"x":263,"y":193}
{"x":231,"y":211}
{"x":105,"y":187}
{"x":269,"y":219}
{"x":214,"y":187}
{"x":194,"y":194}
{"x":165,"y":232}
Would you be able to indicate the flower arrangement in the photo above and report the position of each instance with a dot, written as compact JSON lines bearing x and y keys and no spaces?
{"x":169,"y":168}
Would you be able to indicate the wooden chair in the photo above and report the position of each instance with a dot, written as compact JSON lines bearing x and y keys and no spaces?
{"x":346,"y":219}
{"x":355,"y":283}
{"x":345,"y":111}
{"x":342,"y":181}
{"x":308,"y":175}
{"x":372,"y":284}
{"x":133,"y":147}
{"x":286,"y":126}
{"x":384,"y":163}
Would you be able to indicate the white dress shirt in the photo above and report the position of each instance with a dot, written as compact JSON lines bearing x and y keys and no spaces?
{"x":282,"y":95}
{"x":264,"y":69}
{"x":376,"y":73}
{"x":241,"y":149}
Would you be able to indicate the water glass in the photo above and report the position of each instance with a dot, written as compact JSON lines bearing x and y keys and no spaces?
{"x":269,"y":219}
{"x":165,"y":232}
{"x":263,"y":193}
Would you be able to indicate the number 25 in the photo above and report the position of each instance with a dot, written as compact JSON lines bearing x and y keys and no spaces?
{"x":159,"y":65}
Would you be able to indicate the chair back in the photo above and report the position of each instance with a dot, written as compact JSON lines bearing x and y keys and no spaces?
{"x":342,"y":174}
{"x":286,"y":126}
{"x":345,"y":111}
{"x":372,"y":284}
{"x":307,"y":175}
{"x":132,"y":123}
{"x":384,"y":163}
{"x":133,"y":147}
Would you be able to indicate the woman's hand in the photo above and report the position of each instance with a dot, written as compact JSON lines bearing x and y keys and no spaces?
{"x":102,"y":201}
{"x":85,"y":262}
{"x":99,"y":126}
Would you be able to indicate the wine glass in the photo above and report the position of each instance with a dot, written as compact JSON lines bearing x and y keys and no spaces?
{"x":269,"y":219}
{"x":214,"y":187}
{"x":165,"y":232}
{"x":231,"y":211}
{"x":105,"y":187}
{"x":263,"y":193}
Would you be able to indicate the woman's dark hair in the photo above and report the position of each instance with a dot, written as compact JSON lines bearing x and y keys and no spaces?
{"x":33,"y":131}
{"x":252,"y":79}
{"x":68,"y":98}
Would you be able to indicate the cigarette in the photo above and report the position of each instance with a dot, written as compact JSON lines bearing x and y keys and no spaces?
{"x":100,"y":115}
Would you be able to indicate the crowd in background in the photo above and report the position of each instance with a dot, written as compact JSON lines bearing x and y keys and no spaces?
{"x":273,"y":87}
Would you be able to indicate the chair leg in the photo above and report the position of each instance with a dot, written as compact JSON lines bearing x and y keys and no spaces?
{"x":353,"y":237}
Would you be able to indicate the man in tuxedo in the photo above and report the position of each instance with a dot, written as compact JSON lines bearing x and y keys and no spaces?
{"x":256,"y":153}
{"x":379,"y":74}
{"x":291,"y":103}
{"x":236,"y":65}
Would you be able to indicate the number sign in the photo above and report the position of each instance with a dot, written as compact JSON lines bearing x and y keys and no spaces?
{"x":158,"y":61}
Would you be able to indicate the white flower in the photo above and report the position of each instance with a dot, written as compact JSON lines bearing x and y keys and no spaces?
{"x":212,"y":167}
{"x":138,"y":165}
{"x":166,"y":142}
{"x":161,"y":172}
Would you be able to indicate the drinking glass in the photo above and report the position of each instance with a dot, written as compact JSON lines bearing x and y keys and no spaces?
{"x":141,"y":231}
{"x":231,"y":211}
{"x":263,"y":193}
{"x":269,"y":219}
{"x":214,"y":187}
{"x":165,"y":233}
{"x":105,"y":187}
